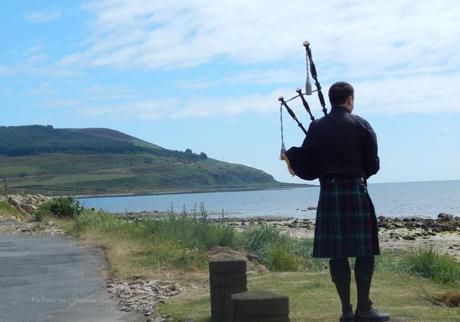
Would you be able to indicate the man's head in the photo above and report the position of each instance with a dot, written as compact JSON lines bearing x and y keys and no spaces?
{"x":342,"y":94}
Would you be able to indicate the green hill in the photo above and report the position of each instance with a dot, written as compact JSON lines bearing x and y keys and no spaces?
{"x":42,"y":159}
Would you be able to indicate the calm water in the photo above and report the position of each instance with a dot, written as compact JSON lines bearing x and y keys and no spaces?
{"x":390,"y":199}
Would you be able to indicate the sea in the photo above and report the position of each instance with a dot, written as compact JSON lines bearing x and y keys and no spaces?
{"x":421,"y":199}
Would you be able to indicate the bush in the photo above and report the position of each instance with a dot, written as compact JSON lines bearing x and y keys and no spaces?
{"x":60,"y":207}
{"x":279,"y":259}
{"x":304,"y":249}
{"x":280,"y":252}
{"x":102,"y":222}
{"x":429,"y":263}
{"x":259,"y":239}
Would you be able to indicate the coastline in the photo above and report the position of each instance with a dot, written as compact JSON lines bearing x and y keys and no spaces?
{"x":190,"y":191}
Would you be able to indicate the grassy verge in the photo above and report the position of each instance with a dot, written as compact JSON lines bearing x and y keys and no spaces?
{"x":168,"y":244}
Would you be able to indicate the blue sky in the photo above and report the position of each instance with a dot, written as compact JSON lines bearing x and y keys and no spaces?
{"x":206,"y":74}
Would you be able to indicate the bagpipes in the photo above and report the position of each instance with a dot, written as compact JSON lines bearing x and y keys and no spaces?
{"x":301,"y":161}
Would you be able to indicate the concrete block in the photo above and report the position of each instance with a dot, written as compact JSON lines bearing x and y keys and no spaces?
{"x":228,"y":280}
{"x":257,"y":305}
{"x":227,"y":266}
{"x":221,"y":305}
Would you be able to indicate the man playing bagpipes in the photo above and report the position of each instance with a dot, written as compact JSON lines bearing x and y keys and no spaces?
{"x":340,"y":149}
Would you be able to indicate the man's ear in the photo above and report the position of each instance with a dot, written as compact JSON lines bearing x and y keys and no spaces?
{"x":350,"y":100}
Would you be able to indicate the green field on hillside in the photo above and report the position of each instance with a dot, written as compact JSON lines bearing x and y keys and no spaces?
{"x":86,"y":174}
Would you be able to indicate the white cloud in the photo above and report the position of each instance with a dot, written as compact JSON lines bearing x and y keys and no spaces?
{"x":413,"y":94}
{"x":391,"y":95}
{"x":42,"y":16}
{"x":359,"y":37}
{"x":195,"y":107}
{"x":225,"y":106}
{"x":143,"y":110}
{"x":401,"y":56}
{"x":268,"y":76}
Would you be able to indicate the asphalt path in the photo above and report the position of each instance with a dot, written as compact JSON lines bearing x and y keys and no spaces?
{"x":51,"y":279}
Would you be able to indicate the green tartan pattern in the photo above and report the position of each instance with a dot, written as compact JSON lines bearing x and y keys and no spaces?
{"x":346,"y":225}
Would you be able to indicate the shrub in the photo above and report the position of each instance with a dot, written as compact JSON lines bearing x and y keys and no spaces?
{"x":60,"y":207}
{"x":43,"y":210}
{"x":259,"y":239}
{"x":304,"y":249}
{"x":99,"y":220}
{"x":278,"y":259}
{"x":429,"y":263}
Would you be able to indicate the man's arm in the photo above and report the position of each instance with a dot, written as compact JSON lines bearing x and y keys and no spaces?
{"x":371,"y":158}
{"x":302,"y":160}
{"x":310,"y":137}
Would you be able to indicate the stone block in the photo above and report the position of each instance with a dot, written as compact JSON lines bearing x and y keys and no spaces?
{"x":221,"y":305}
{"x":259,"y":306}
{"x":228,"y":280}
{"x":227,"y":266}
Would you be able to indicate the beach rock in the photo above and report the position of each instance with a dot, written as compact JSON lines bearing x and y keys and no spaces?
{"x":444,"y":223}
{"x":26,"y":203}
{"x":445,"y":217}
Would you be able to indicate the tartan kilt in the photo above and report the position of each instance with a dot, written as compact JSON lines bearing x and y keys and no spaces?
{"x":346,"y":224}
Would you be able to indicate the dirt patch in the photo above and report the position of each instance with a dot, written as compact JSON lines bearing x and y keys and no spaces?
{"x":449,"y":299}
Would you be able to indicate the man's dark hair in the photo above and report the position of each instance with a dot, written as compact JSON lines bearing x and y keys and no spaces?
{"x":339,"y":93}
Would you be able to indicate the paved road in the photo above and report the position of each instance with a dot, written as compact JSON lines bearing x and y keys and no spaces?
{"x":53,"y":278}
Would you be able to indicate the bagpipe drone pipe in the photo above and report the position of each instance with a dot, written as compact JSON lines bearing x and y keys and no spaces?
{"x":302,"y":161}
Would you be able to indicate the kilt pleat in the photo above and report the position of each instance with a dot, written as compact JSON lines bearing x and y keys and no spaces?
{"x":346,"y":224}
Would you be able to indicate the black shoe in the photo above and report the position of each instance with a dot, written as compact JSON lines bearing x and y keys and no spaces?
{"x":347,"y":317}
{"x":371,"y":315}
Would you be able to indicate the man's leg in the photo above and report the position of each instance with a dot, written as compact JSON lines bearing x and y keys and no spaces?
{"x":364,"y":269}
{"x":341,"y":276}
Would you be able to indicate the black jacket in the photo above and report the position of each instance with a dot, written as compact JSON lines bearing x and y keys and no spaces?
{"x":339,"y":144}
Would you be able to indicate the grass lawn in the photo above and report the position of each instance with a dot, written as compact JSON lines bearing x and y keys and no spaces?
{"x":312,"y":297}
